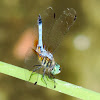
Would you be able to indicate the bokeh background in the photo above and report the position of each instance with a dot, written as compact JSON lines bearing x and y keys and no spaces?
{"x":78,"y":54}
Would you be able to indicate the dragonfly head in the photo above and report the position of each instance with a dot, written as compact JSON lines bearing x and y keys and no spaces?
{"x":56,"y":69}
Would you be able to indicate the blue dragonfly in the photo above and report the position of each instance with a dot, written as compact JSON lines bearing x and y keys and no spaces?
{"x":55,"y":26}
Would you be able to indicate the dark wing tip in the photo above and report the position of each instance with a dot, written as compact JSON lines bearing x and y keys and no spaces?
{"x":75,"y":17}
{"x":54,"y":15}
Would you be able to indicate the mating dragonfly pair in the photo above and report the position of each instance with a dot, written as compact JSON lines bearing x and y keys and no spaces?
{"x":55,"y":26}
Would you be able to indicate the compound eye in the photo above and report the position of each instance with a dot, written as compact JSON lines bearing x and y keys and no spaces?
{"x":59,"y":68}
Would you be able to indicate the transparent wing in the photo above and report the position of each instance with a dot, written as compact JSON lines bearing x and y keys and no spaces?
{"x":48,"y":20}
{"x":31,"y":59}
{"x":55,"y":26}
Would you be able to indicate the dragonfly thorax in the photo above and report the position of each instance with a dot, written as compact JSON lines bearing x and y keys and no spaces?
{"x":49,"y":65}
{"x":47,"y":61}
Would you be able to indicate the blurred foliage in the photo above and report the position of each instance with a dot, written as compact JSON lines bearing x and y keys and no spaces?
{"x":80,"y":67}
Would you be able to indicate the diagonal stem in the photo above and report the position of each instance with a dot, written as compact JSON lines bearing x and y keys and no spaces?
{"x":61,"y":86}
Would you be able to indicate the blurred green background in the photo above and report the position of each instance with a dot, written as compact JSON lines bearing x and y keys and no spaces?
{"x":78,"y":53}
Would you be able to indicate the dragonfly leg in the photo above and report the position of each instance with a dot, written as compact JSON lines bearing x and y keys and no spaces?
{"x":37,"y":78}
{"x":43,"y":76}
{"x":53,"y":80}
{"x":35,"y":70}
{"x":54,"y":83}
{"x":49,"y":75}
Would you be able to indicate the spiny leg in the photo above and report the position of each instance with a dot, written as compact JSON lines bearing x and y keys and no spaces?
{"x":37,"y":77}
{"x":54,"y":83}
{"x":44,"y":70}
{"x":35,"y":70}
{"x":51,"y":76}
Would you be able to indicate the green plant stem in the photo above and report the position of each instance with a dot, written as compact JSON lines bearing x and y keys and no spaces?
{"x":61,"y":86}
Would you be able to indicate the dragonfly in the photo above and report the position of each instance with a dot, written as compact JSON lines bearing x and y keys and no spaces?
{"x":52,"y":27}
